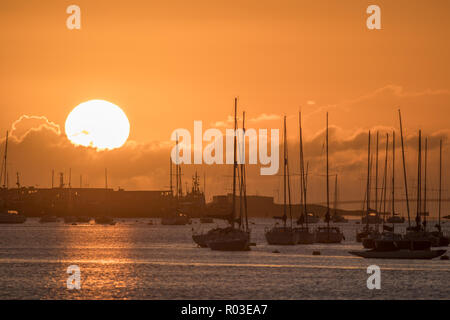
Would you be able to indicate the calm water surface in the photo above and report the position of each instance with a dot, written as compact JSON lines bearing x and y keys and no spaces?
{"x":134,"y":260}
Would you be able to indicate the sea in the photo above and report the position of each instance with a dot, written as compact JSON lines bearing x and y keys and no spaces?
{"x":142,"y":259}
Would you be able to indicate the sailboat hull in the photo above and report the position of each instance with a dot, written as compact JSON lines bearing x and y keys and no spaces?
{"x":304,"y":236}
{"x":282,"y":236}
{"x":328,"y":236}
{"x":399,"y":254}
{"x":201,"y":240}
{"x":229,"y":245}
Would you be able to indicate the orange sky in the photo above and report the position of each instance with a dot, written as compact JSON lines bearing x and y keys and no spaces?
{"x":168,"y":63}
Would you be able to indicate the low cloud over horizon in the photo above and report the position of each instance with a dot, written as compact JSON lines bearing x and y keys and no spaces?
{"x":37,"y":146}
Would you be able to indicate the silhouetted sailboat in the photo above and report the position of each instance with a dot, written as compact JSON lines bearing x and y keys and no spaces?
{"x":388,"y":235}
{"x":417,"y":242}
{"x":285,"y":234}
{"x":394,"y":218}
{"x":328,"y":234}
{"x":368,"y":231}
{"x":304,"y":235}
{"x":443,"y":240}
{"x":419,"y":231}
{"x":232,"y":238}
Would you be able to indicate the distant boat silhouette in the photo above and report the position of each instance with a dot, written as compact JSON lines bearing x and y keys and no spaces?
{"x":284,"y":234}
{"x":105,"y":221}
{"x":232,"y":238}
{"x":328,"y":234}
{"x":8,"y":216}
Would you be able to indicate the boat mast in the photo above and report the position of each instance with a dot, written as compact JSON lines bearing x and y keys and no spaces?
{"x":243,"y":192}
{"x":327,"y":216}
{"x":425,"y":185}
{"x":419,"y":185}
{"x":177,"y":181}
{"x":5,"y":158}
{"x":288,"y":180}
{"x":376,"y":176}
{"x":385,"y":177}
{"x":440,"y":183}
{"x":335,"y":194}
{"x":302,"y":172}
{"x":180,"y":184}
{"x":170,"y":174}
{"x":284,"y":174}
{"x":233,"y":211}
{"x":368,"y":185}
{"x":393,"y":175}
{"x":404,"y":168}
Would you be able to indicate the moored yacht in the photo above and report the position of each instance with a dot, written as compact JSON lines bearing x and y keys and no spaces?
{"x":328,"y":234}
{"x":236,"y":237}
{"x":369,"y":233}
{"x":284,"y":234}
{"x":304,"y":234}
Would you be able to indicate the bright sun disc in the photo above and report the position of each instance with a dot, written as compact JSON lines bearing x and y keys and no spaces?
{"x":99,"y":124}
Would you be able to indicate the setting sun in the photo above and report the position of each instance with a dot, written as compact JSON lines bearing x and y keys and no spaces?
{"x":99,"y":124}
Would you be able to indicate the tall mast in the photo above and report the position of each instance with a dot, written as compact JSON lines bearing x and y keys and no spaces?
{"x":170,"y":174}
{"x":177,"y":181}
{"x":440,"y":182}
{"x":419,"y":183}
{"x":425,"y":185}
{"x":335,"y":194}
{"x":284,"y":174}
{"x":327,"y":216}
{"x":376,"y":175}
{"x":180,"y":183}
{"x":233,"y":211}
{"x":368,"y":184}
{"x":404,"y":168}
{"x":288,"y":179}
{"x":106,"y":179}
{"x":385,"y":176}
{"x":243,"y":177}
{"x":302,"y":171}
{"x":5,"y":159}
{"x":53,"y":177}
{"x":393,"y":173}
